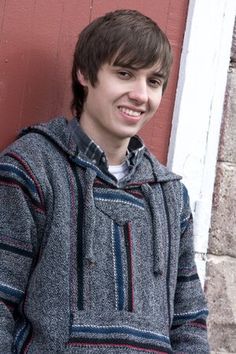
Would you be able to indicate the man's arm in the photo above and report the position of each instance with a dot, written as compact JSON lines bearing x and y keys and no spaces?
{"x":20,"y":212}
{"x":188,"y":331}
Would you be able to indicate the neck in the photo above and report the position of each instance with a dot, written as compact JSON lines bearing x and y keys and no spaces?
{"x":115,"y":156}
{"x":115,"y":151}
{"x":115,"y":148}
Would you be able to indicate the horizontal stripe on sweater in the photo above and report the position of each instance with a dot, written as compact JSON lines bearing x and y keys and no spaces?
{"x":16,"y":250}
{"x":190,"y":316}
{"x":199,"y":323}
{"x":14,"y":176}
{"x":8,"y":292}
{"x":11,"y":182}
{"x":10,"y":305}
{"x":21,"y":176}
{"x":120,"y":330}
{"x":117,"y":197}
{"x":39,"y":197}
{"x":119,"y":343}
{"x":186,"y":278}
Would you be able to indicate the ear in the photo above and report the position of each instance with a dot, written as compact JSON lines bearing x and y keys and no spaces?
{"x":83,"y":81}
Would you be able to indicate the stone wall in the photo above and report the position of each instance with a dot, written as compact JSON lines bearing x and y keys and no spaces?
{"x":221,"y":265}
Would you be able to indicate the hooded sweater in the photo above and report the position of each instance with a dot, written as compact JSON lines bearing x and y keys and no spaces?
{"x":89,"y":264}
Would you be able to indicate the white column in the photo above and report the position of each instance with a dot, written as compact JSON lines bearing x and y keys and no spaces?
{"x":198,"y":108}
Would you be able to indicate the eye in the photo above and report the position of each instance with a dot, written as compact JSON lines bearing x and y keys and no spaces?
{"x":124,"y":74}
{"x":155,"y":82}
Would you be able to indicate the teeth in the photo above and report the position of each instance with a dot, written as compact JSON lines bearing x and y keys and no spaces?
{"x":130,"y":112}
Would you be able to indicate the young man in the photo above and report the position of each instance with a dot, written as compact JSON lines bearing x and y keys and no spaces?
{"x":96,"y":236}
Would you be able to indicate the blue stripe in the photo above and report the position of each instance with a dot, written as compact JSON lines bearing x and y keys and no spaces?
{"x":20,"y":335}
{"x":113,"y":196}
{"x":78,"y":161}
{"x":190,"y":316}
{"x":184,"y":225}
{"x":119,"y":268}
{"x":121,"y":330}
{"x":185,"y":195}
{"x":187,"y":278}
{"x":12,"y":292}
{"x":16,"y":250}
{"x":20,"y":174}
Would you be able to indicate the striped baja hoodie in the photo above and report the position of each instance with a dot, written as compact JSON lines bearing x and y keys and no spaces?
{"x":89,"y":264}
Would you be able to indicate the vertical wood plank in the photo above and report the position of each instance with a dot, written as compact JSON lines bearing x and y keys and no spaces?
{"x":15,"y":33}
{"x":37,"y":40}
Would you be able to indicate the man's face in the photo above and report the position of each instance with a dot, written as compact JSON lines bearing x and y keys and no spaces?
{"x":122,"y":101}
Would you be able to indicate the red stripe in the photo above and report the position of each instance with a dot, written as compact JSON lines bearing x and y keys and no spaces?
{"x":131,"y":263}
{"x":116,"y":345}
{"x":10,"y":307}
{"x":27,"y":346}
{"x":18,"y":186}
{"x":28,"y":170}
{"x":196,"y":324}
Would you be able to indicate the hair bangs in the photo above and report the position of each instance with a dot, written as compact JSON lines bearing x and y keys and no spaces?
{"x":143,"y":52}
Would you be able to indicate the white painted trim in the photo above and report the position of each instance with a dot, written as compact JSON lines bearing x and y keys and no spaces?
{"x":198,"y":108}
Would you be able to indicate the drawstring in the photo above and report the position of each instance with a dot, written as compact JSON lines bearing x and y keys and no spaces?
{"x":89,"y":223}
{"x":89,"y":215}
{"x":158,"y":241}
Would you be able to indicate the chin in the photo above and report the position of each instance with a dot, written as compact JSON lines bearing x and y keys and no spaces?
{"x":128,"y":135}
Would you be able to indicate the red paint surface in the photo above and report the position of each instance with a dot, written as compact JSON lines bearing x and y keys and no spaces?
{"x":37,"y":40}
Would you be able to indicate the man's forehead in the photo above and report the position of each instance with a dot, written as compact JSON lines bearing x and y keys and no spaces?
{"x":134,"y":59}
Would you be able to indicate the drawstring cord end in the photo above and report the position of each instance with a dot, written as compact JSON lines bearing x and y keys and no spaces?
{"x":158,"y":242}
{"x":89,"y":225}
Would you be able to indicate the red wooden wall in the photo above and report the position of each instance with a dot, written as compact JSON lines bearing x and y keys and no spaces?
{"x":37,"y":39}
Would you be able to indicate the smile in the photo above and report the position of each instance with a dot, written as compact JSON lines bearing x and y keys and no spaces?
{"x":130,"y":112}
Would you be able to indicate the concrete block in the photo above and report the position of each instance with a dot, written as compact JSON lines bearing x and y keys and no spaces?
{"x":221,"y":352}
{"x":227,"y":149}
{"x":233,"y":49}
{"x":221,"y":296}
{"x":222,"y":239}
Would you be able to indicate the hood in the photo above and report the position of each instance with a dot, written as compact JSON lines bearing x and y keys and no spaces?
{"x":147,"y":169}
{"x":146,"y":172}
{"x":55,"y":131}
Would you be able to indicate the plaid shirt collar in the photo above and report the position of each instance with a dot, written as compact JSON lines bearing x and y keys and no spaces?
{"x":95,"y":154}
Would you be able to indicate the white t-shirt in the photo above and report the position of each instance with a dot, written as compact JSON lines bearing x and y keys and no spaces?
{"x":119,"y":171}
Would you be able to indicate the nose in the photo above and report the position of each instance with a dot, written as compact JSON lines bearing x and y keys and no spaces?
{"x":139,"y":92}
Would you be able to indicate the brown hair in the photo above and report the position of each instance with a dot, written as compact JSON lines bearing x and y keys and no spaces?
{"x":123,"y":38}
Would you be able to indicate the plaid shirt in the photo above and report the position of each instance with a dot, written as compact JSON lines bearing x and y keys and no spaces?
{"x":97,"y":156}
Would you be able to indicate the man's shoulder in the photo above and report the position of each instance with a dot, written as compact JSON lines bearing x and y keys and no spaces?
{"x":36,"y":140}
{"x":38,"y":148}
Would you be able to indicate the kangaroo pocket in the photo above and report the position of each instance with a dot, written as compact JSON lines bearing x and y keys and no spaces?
{"x":117,"y":330}
{"x":117,"y":301}
{"x":108,"y":281}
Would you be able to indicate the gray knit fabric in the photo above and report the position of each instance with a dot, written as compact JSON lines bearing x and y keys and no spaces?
{"x":91,"y":265}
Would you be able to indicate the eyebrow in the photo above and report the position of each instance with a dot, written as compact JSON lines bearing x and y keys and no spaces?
{"x":158,"y":74}
{"x":155,"y":73}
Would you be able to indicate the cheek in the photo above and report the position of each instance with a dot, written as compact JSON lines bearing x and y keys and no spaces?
{"x":94,"y":100}
{"x":156,"y":101}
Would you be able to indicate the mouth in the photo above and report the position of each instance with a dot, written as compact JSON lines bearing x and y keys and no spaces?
{"x":130,"y":112}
